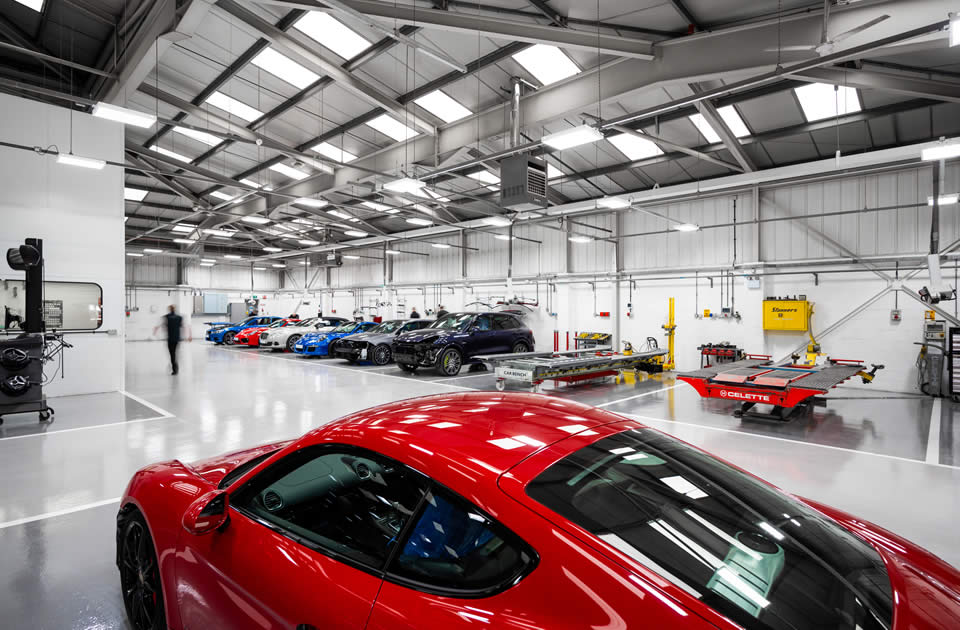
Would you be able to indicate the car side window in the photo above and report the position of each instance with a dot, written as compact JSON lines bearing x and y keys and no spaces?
{"x":410,"y":326}
{"x":504,"y":322}
{"x":345,"y":501}
{"x":453,"y":546}
{"x":484,"y":322}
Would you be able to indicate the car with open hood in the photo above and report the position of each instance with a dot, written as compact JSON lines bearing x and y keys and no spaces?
{"x":278,"y":339}
{"x":454,"y":339}
{"x":375,"y":344}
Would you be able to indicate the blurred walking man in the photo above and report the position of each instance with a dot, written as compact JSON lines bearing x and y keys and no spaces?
{"x":174,"y":325}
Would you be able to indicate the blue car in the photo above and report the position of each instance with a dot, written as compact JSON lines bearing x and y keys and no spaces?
{"x":220,"y":333}
{"x":318,"y":343}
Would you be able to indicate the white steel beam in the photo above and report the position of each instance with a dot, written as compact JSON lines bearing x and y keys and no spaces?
{"x":890,"y":82}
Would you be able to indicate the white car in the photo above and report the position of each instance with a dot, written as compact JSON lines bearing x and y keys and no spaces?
{"x":276,"y":339}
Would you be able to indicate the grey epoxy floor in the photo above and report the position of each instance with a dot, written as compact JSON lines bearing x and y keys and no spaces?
{"x":873,"y":453}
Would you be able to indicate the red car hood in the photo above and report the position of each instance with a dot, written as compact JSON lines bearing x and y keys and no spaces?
{"x":926,"y":590}
{"x":216,"y":468}
{"x":246,"y":332}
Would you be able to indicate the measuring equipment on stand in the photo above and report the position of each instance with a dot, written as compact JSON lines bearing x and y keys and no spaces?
{"x":932,"y":357}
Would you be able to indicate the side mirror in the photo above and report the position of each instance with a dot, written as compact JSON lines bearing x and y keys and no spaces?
{"x":207,"y":513}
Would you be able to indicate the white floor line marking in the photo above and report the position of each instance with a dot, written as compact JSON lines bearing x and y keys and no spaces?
{"x":656,"y":391}
{"x":933,"y":440}
{"x":42,"y":517}
{"x":780,"y":439}
{"x":347,"y":369}
{"x":92,"y":426}
{"x":146,"y":403}
{"x":457,"y":378}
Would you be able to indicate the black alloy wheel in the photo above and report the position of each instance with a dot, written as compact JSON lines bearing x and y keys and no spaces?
{"x":292,"y":341}
{"x":520,"y":346}
{"x":449,"y":362}
{"x":381,"y":355}
{"x":140,"y":575}
{"x":228,"y":337}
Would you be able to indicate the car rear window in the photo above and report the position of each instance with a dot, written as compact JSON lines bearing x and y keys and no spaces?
{"x":758,"y":557}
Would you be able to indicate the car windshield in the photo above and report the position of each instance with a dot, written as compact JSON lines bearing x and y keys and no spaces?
{"x":345,"y":327}
{"x":276,"y":324}
{"x":456,"y":321}
{"x":763,"y":560}
{"x":388,"y":327}
{"x":306,"y":322}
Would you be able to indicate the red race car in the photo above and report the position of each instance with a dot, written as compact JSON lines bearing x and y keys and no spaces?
{"x":489,"y":510}
{"x":251,"y":336}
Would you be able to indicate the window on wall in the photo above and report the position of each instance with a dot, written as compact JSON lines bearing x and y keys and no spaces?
{"x":66,"y":305}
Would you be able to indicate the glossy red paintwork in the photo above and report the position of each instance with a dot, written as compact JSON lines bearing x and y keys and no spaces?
{"x":251,"y":336}
{"x":487,"y":448}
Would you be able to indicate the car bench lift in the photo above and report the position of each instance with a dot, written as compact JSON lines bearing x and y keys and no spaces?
{"x":786,"y":386}
{"x":571,"y":366}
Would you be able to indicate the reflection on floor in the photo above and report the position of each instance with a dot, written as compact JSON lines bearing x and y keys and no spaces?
{"x":870,"y":452}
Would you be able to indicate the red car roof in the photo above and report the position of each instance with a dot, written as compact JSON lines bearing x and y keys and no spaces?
{"x":476,"y":434}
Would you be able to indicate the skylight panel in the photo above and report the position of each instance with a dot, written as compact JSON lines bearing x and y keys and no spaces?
{"x":553,"y":172}
{"x":337,"y":155}
{"x":200,"y":136}
{"x":734,"y":121}
{"x":169,"y":153}
{"x":820,"y":101}
{"x":233,"y":106}
{"x":373,"y":205}
{"x":442,"y":106}
{"x":289,"y":171}
{"x":487,"y":178}
{"x":633,"y":147}
{"x":134,"y":194}
{"x":393,"y":128}
{"x":36,"y":5}
{"x":332,"y":33}
{"x":548,"y":64}
{"x":284,"y":68}
{"x":219,"y":194}
{"x":705,"y":129}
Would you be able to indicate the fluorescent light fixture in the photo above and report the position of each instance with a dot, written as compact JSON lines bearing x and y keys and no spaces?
{"x":170,"y":154}
{"x":208,"y":260}
{"x":184,"y":228}
{"x":255,"y":220}
{"x":232,"y":257}
{"x":419,"y":221}
{"x":393,"y":128}
{"x":215,"y":232}
{"x":553,"y":172}
{"x":941,"y":152}
{"x":308,"y":242}
{"x":405,"y":185}
{"x":200,"y":136}
{"x":83,"y":162}
{"x":284,"y":68}
{"x":259,"y":268}
{"x":734,"y":121}
{"x":685,"y":227}
{"x":251,"y":183}
{"x":233,"y":106}
{"x":289,"y":171}
{"x":580,"y":239}
{"x":124,"y":115}
{"x":149,"y":250}
{"x":705,"y":129}
{"x":351,"y":257}
{"x":373,"y":205}
{"x":613,"y":203}
{"x":442,"y":106}
{"x":954,"y":27}
{"x":484,"y":176}
{"x":329,"y":151}
{"x":548,"y":64}
{"x":634,"y":147}
{"x":573,"y":137}
{"x":497,"y":221}
{"x":392,"y":252}
{"x":278,"y":266}
{"x":311,"y":203}
{"x":207,"y":264}
{"x":332,"y":33}
{"x":36,"y":5}
{"x":503,"y":237}
{"x":305,"y":263}
{"x":945,"y":200}
{"x":134,"y":255}
{"x":339,"y":215}
{"x":219,"y":194}
{"x":272,"y":249}
{"x":134,"y":194}
{"x":440,"y":245}
{"x":184,"y":241}
{"x":822,"y":100}
{"x":355,"y":233}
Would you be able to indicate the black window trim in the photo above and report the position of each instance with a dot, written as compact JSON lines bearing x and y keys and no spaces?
{"x":384,"y":573}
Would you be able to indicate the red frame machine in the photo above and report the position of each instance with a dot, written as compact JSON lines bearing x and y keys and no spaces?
{"x":785,"y":386}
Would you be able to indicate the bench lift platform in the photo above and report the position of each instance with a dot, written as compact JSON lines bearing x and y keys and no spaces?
{"x":785,"y":386}
{"x":533,"y":368}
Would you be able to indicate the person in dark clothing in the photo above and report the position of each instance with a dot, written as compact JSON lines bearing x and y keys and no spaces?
{"x":441,"y":311}
{"x":414,"y":314}
{"x":174,"y":325}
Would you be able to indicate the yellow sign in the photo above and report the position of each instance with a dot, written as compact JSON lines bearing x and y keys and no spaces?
{"x":790,"y":315}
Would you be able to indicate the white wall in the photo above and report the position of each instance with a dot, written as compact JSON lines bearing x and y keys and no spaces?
{"x":79,"y":215}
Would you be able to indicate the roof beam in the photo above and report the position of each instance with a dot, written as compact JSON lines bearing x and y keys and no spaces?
{"x":549,"y":12}
{"x":496,"y":27}
{"x":13,"y":33}
{"x":685,"y":13}
{"x":948,"y":91}
{"x":290,"y":46}
{"x":709,"y":112}
{"x":679,"y":147}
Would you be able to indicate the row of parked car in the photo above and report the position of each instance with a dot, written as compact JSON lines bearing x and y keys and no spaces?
{"x":445,"y":344}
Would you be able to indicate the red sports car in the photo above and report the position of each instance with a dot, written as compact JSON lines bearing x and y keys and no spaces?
{"x":251,"y":336}
{"x":488,"y":510}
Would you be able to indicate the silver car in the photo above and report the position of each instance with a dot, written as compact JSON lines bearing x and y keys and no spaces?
{"x":276,"y":339}
{"x":374,"y":345}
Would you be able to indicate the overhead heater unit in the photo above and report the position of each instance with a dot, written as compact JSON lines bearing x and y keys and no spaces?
{"x":523,"y":183}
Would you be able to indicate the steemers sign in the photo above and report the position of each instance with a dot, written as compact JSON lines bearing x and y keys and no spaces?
{"x":763,"y":398}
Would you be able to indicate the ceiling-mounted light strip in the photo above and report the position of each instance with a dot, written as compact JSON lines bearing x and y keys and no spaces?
{"x":215,"y":232}
{"x":234,"y":107}
{"x":200,"y":136}
{"x":232,"y":257}
{"x":184,"y":228}
{"x":440,"y":245}
{"x":83,"y":162}
{"x":308,"y":242}
{"x":123,"y":115}
{"x":170,"y":154}
{"x":185,"y":241}
{"x":355,"y":233}
{"x":580,"y":239}
{"x":573,"y":137}
{"x":613,"y":203}
{"x":685,"y":227}
{"x":311,"y":203}
{"x":272,"y":249}
{"x":256,"y":220}
{"x":945,"y":200}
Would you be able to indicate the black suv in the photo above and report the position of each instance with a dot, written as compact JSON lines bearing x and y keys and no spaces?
{"x":456,"y":338}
